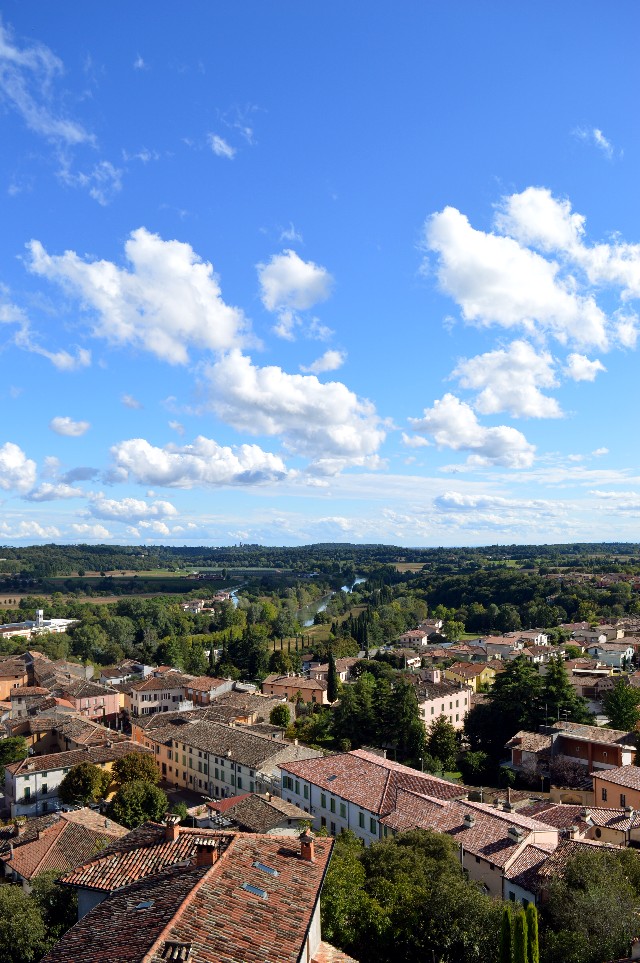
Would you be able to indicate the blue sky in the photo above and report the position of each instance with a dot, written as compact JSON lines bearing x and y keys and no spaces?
{"x":289,"y":272}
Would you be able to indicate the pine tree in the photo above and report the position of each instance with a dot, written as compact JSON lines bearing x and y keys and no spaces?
{"x":532,"y":934}
{"x":506,"y":936}
{"x":520,"y":943}
{"x":333,"y":680}
{"x":559,"y":697}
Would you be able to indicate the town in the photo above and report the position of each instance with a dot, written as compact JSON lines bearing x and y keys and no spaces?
{"x":269,"y":743}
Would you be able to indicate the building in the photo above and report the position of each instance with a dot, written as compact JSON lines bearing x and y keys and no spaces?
{"x":617,"y":787}
{"x":591,"y":746}
{"x":344,"y":668}
{"x":91,"y":699}
{"x":200,"y":896}
{"x":354,"y":790}
{"x":69,"y":839}
{"x":203,"y":690}
{"x":471,"y":674}
{"x":158,"y":693}
{"x":253,"y":813}
{"x":31,"y":785}
{"x":440,"y":698}
{"x":35,"y":627}
{"x":288,"y":687}
{"x":619,"y":655}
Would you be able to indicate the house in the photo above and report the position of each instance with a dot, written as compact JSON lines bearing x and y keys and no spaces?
{"x":201,"y":691}
{"x":437,"y":697}
{"x":288,"y":687}
{"x":529,"y":637}
{"x":91,"y":699}
{"x":354,"y":790}
{"x":217,"y":759}
{"x":171,"y":893}
{"x":618,"y":827}
{"x":410,"y":659}
{"x":616,"y":654}
{"x":255,"y":813}
{"x":35,"y":627}
{"x":344,"y":668}
{"x":14,"y":673}
{"x":69,"y":838}
{"x":591,"y":746}
{"x":31,"y":785}
{"x":499,"y":647}
{"x":617,"y":787}
{"x":163,"y":692}
{"x":471,"y":674}
{"x":25,"y":698}
{"x":414,"y":637}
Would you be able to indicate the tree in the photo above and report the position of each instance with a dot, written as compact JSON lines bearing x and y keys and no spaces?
{"x":57,"y":904}
{"x":559,"y":697}
{"x":12,"y":749}
{"x":136,"y":802}
{"x":22,"y":932}
{"x":442,"y":741}
{"x":622,"y":706}
{"x":532,"y":934}
{"x":333,"y":680}
{"x":520,"y":938}
{"x":452,"y":630}
{"x":506,"y":935}
{"x":83,"y":783}
{"x":280,"y":715}
{"x":135,"y":766}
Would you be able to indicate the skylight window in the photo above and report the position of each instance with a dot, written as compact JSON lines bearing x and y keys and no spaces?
{"x":145,"y":904}
{"x":331,"y":778}
{"x":255,"y":890}
{"x":265,"y":869}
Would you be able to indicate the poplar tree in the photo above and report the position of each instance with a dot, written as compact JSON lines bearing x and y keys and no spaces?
{"x":520,"y":942}
{"x":506,"y":936}
{"x":532,"y":934}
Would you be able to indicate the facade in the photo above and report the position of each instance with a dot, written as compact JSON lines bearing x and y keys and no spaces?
{"x":203,"y":690}
{"x":617,"y":787}
{"x":162,"y":693}
{"x":353,"y":790}
{"x":92,"y":699}
{"x":471,"y":674}
{"x":440,"y":698}
{"x":591,"y":746}
{"x":288,"y":686}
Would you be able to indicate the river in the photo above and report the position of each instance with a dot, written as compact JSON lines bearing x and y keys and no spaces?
{"x":306,"y":613}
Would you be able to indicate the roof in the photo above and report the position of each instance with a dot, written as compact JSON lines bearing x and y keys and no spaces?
{"x":296,"y":681}
{"x":329,"y":954}
{"x":208,"y":911}
{"x":28,"y":691}
{"x":64,"y":760}
{"x":238,"y":743}
{"x":205,"y":683}
{"x":529,"y":741}
{"x":168,"y":680}
{"x":525,"y":869}
{"x":555,"y":864}
{"x":626,"y":776}
{"x":370,"y":781}
{"x":257,"y":814}
{"x":597,"y":734}
{"x":63,"y":844}
{"x":558,"y":815}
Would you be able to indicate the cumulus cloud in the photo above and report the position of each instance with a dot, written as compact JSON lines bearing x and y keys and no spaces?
{"x":510,"y":380}
{"x":204,"y":463}
{"x":82,"y":473}
{"x":220,"y":147}
{"x":63,"y":425}
{"x":600,"y":451}
{"x":312,"y":418}
{"x":414,"y":441}
{"x":167,"y":301}
{"x":288,"y":285}
{"x":130,"y":509}
{"x":28,"y":529}
{"x":158,"y":528}
{"x":626,"y":501}
{"x":330,"y":361}
{"x":27,"y":78}
{"x":90,"y":531}
{"x":48,"y":492}
{"x":497,"y":281}
{"x":17,"y":472}
{"x":453,"y":424}
{"x":580,"y":368}
{"x":130,"y":402}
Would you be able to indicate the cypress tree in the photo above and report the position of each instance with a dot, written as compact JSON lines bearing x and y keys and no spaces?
{"x":520,"y":947}
{"x":532,"y":934}
{"x":506,"y":936}
{"x":333,"y":682}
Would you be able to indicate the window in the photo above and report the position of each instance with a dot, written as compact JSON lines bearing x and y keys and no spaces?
{"x":297,"y":787}
{"x":361,"y":820}
{"x":332,"y":805}
{"x":239,"y":782}
{"x":323,"y":800}
{"x":604,"y":795}
{"x":432,"y":710}
{"x":373,"y":828}
{"x":323,"y":821}
{"x":44,"y":788}
{"x":252,"y":787}
{"x":623,"y":799}
{"x":216,"y":773}
{"x":333,"y":829}
{"x":343,"y":811}
{"x":305,"y":791}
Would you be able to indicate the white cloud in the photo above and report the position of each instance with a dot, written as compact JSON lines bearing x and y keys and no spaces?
{"x":139,"y":63}
{"x":453,"y":424}
{"x":103,"y":181}
{"x":168,"y":301}
{"x":510,"y":380}
{"x":594,"y":135}
{"x":130,"y":402}
{"x":580,"y":368}
{"x":600,"y":451}
{"x":23,"y":338}
{"x":628,"y":501}
{"x":314,"y":419}
{"x":414,"y":441}
{"x":495,"y":280}
{"x":220,"y":147}
{"x":288,"y":284}
{"x":290,"y":234}
{"x":130,"y":509}
{"x":460,"y":502}
{"x":205,"y":463}
{"x":27,"y":77}
{"x":16,"y":470}
{"x":177,"y":427}
{"x":67,"y":426}
{"x":47,"y":492}
{"x":91,"y":531}
{"x":330,"y":361}
{"x":28,"y":529}
{"x":158,"y":528}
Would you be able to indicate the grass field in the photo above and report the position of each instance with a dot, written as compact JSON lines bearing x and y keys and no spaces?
{"x":408,"y":566}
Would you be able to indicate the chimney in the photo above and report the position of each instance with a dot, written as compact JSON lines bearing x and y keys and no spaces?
{"x":307,"y":847}
{"x":206,"y":853}
{"x":171,"y":827}
{"x":469,"y":820}
{"x":20,"y":828}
